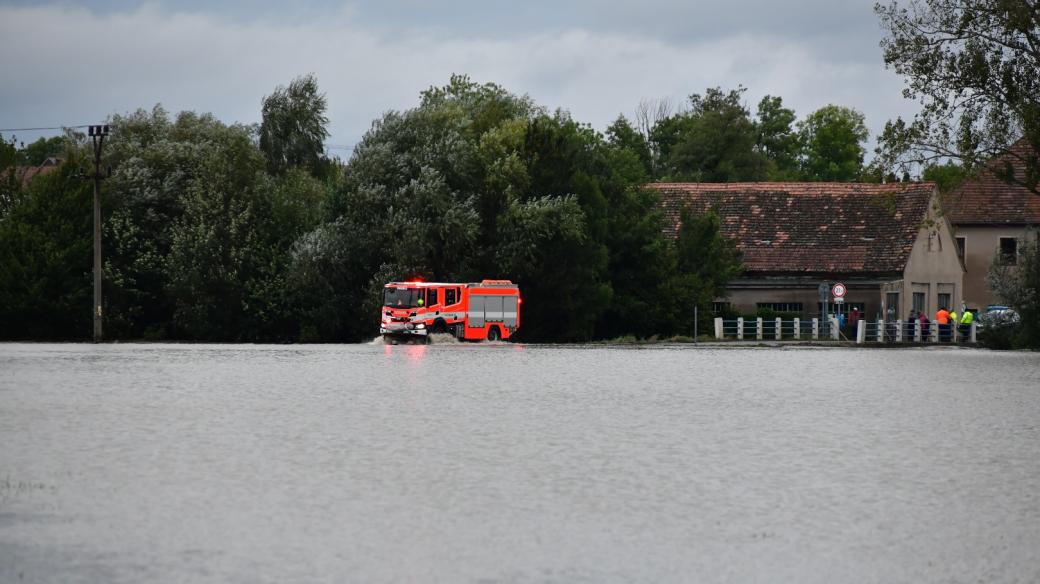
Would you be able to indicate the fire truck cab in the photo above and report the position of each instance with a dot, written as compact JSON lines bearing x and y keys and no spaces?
{"x":488,"y":310}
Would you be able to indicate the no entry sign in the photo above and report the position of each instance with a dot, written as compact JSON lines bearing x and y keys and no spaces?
{"x":838,"y":290}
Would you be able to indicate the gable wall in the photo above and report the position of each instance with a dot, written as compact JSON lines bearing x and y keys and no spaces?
{"x":933,"y":266}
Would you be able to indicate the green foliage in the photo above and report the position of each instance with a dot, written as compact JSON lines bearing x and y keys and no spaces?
{"x":294,"y":127}
{"x":233,"y":233}
{"x":715,"y":141}
{"x":947,"y":176}
{"x":39,"y":151}
{"x":10,"y":183}
{"x":832,"y":139}
{"x":706,"y":262}
{"x":45,"y":259}
{"x":631,"y":149}
{"x":777,"y":138}
{"x":972,"y":65}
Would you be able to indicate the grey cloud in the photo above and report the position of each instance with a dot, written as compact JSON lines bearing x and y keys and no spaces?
{"x":79,"y":64}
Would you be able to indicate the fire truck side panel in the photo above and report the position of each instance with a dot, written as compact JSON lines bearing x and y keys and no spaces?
{"x":491,"y":307}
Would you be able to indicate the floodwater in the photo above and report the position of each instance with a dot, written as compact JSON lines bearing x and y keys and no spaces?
{"x":510,"y":463}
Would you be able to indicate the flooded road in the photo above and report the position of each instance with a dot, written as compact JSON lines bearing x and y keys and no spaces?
{"x":509,"y":463}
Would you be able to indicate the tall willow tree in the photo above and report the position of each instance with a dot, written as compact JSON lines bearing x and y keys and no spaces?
{"x":294,"y":127}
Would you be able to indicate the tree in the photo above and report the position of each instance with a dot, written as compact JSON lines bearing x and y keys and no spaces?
{"x":832,"y":139}
{"x":972,"y":65}
{"x":649,"y":113}
{"x":1018,"y":286}
{"x":45,"y":259}
{"x":10,"y":182}
{"x":947,"y":176}
{"x":622,"y":135}
{"x":197,"y":235}
{"x":39,"y":151}
{"x":293,"y":130}
{"x":777,"y":138}
{"x":713,"y":142}
{"x":706,"y":260}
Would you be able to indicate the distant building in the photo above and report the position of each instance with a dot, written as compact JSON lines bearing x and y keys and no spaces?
{"x":991,"y":220}
{"x":25,"y":174}
{"x":888,"y":243}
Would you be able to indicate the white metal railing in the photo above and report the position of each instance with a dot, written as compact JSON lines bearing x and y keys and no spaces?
{"x":878,"y":331}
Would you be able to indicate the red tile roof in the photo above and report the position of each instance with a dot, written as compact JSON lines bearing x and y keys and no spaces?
{"x":988,"y":200}
{"x":810,"y":228}
{"x":26,"y":174}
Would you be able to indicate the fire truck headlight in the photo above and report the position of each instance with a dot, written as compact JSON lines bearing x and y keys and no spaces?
{"x":420,"y":326}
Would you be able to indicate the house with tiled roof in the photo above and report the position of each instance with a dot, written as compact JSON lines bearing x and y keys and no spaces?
{"x":888,"y":243}
{"x":992,"y":219}
{"x":26,"y":174}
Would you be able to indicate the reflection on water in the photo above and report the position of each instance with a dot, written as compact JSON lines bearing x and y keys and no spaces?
{"x":499,"y":462}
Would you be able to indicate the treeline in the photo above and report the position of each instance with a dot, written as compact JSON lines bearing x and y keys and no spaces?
{"x":223,"y":232}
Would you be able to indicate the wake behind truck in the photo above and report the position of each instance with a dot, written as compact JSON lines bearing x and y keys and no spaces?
{"x":488,"y":310}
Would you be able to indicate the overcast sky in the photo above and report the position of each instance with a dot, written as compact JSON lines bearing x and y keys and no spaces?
{"x":66,"y":63}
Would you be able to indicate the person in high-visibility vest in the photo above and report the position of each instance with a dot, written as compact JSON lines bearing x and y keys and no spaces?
{"x":967,"y":318}
{"x":953,"y":323}
{"x":942,"y":318}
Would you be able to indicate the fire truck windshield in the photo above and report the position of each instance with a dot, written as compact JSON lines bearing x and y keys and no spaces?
{"x":400,"y":297}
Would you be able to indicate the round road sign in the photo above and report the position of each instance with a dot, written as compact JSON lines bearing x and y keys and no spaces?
{"x":838,"y":290}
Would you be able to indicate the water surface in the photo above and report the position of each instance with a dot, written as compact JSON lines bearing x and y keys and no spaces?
{"x":508,"y":463}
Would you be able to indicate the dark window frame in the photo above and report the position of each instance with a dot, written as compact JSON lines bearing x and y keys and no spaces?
{"x":1008,"y":257}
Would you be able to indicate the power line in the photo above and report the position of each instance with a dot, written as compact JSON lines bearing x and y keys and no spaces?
{"x":327,"y":146}
{"x":48,"y":128}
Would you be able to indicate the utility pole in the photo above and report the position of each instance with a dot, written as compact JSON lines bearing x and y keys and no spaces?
{"x":97,"y":135}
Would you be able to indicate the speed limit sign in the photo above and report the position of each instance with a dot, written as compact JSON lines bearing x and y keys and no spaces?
{"x":838,"y":290}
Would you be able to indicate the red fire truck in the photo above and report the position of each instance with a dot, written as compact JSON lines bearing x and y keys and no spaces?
{"x":472,"y":312}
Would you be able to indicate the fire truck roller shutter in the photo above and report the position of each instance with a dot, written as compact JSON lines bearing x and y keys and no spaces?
{"x":509,"y":311}
{"x":476,"y":311}
{"x":493,"y":308}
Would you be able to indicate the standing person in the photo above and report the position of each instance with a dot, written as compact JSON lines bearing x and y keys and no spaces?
{"x":942,"y":318}
{"x":954,"y":320}
{"x":890,"y":323}
{"x":854,"y":318}
{"x":910,"y":320}
{"x":925,"y":328}
{"x":967,"y":317}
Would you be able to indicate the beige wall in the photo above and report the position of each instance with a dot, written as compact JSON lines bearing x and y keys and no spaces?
{"x":980,"y":247}
{"x":933,"y":267}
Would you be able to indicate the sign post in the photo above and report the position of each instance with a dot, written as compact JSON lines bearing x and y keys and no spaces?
{"x":838,"y":290}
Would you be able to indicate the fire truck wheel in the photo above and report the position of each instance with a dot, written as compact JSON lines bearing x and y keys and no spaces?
{"x":439,"y":326}
{"x":494,"y":334}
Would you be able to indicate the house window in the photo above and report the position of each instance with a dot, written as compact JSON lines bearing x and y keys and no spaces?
{"x":919,"y":302}
{"x":781,"y":306}
{"x":961,"y":242}
{"x":719,"y":307}
{"x":945,"y":300}
{"x":891,"y":305}
{"x":1008,"y":251}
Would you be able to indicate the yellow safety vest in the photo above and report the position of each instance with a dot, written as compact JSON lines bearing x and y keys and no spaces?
{"x":953,"y":317}
{"x":967,"y":317}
